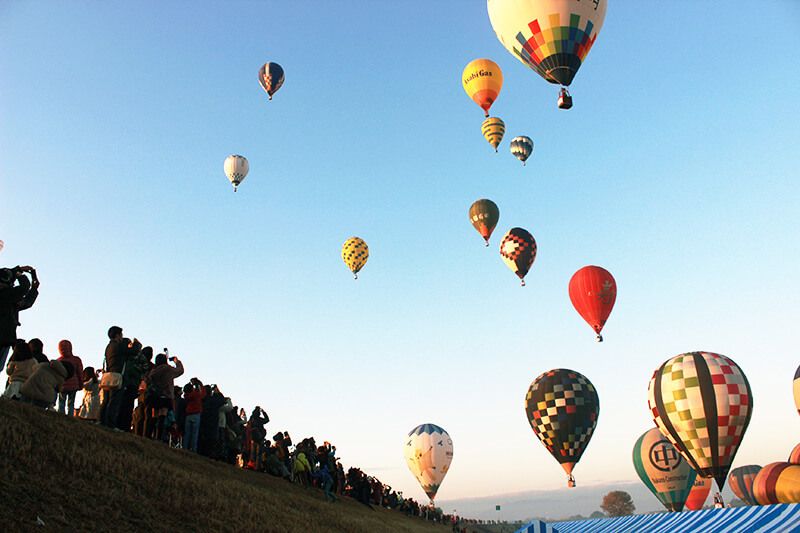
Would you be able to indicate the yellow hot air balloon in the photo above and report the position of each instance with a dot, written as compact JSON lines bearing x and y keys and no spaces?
{"x":483,"y":79}
{"x":493,"y":129}
{"x":355,"y":254}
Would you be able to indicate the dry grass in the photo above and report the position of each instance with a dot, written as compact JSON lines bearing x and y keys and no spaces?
{"x":78,"y":476}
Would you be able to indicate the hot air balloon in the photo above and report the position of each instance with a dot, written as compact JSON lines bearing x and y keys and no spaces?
{"x":562,"y":408}
{"x":794,"y":457}
{"x":483,"y":79}
{"x":662,"y":469}
{"x":429,"y":451}
{"x":518,"y":250}
{"x":236,"y":168}
{"x":493,"y":129}
{"x":592,"y":291}
{"x":777,"y":483}
{"x":1,"y":245}
{"x":551,"y":37}
{"x":522,"y":147}
{"x":355,"y":254}
{"x":699,"y":493}
{"x":740,"y":481}
{"x":484,"y":215}
{"x":270,"y":76}
{"x":702,"y":403}
{"x":796,"y":388}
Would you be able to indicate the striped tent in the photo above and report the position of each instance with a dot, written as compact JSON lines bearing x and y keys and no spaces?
{"x":781,"y":518}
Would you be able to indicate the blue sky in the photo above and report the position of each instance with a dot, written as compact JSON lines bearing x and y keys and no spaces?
{"x":676,"y":170}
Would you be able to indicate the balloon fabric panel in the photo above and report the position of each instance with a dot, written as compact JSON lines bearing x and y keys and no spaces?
{"x":562,"y":407}
{"x":699,"y":493}
{"x":702,"y":403}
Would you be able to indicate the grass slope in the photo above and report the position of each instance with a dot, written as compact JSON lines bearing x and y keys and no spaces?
{"x":77,"y":476}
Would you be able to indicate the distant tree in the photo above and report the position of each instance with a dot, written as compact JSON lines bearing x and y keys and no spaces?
{"x":617,"y":503}
{"x":597,"y":514}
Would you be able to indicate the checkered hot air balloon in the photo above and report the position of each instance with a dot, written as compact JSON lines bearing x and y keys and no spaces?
{"x":518,"y":250}
{"x":562,"y":407}
{"x":702,"y":403}
{"x":270,"y":76}
{"x":662,"y":469}
{"x":428,"y":450}
{"x":355,"y":254}
{"x":522,"y":147}
{"x":484,"y":215}
{"x":236,"y":168}
{"x":593,"y":291}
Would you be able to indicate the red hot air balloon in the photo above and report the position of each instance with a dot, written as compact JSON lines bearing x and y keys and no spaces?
{"x":699,"y":493}
{"x":593,"y":292}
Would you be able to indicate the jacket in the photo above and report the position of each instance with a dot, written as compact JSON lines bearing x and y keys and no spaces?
{"x":14,"y":299}
{"x":45,"y":381}
{"x":163,"y":376}
{"x":20,"y":370}
{"x":117,"y":355}
{"x":194,"y":401}
{"x":74,"y":382}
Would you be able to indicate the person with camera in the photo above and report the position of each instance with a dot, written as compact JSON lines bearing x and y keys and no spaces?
{"x":256,"y":435}
{"x":17,"y":293}
{"x":117,"y":356}
{"x":194,"y":392}
{"x":162,"y":376}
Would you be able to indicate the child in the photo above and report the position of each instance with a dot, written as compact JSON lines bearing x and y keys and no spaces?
{"x":45,"y":382}
{"x":90,"y":407}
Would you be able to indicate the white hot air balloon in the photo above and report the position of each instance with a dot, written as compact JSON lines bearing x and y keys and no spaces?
{"x":428,"y":450}
{"x":236,"y":168}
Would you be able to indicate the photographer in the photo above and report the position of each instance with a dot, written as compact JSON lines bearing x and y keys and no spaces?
{"x":16,"y":294}
{"x":163,"y":377}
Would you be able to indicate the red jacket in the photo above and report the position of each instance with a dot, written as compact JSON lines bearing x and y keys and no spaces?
{"x":194,"y":401}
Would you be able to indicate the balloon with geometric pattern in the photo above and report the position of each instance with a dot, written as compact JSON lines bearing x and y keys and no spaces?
{"x":662,"y":469}
{"x":796,"y":389}
{"x":484,"y":215}
{"x":428,"y":451}
{"x":702,"y":403}
{"x":518,"y":250}
{"x":551,"y":37}
{"x":236,"y":168}
{"x":740,"y":481}
{"x":777,"y":483}
{"x":521,"y":147}
{"x":493,"y":129}
{"x":562,"y":408}
{"x":699,"y":493}
{"x":270,"y":76}
{"x":482,"y":80}
{"x":355,"y":254}
{"x":593,"y":291}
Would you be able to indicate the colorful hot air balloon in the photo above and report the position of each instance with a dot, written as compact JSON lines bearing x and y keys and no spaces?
{"x":236,"y":168}
{"x":796,"y":389}
{"x":484,"y":215}
{"x":483,"y":79}
{"x":270,"y":76}
{"x":518,"y":250}
{"x":522,"y":147}
{"x":699,"y":493}
{"x":1,"y":245}
{"x":592,"y":291}
{"x":741,"y":480}
{"x":429,"y":451}
{"x":355,"y":254}
{"x":794,"y":457}
{"x":702,"y":403}
{"x":777,"y":483}
{"x":551,"y":37}
{"x":662,"y":469}
{"x":562,"y":408}
{"x":493,"y":129}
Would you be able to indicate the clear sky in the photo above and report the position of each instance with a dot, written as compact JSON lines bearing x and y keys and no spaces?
{"x":676,"y":170}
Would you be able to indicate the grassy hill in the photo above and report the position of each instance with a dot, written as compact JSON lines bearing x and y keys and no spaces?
{"x":72,"y":475}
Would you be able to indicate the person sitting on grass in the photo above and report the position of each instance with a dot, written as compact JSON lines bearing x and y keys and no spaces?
{"x":45,"y":382}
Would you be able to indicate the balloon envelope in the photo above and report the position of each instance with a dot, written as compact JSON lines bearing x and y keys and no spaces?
{"x":662,"y":469}
{"x":551,"y":37}
{"x":777,"y":483}
{"x":740,"y":480}
{"x":562,"y":408}
{"x":593,"y":291}
{"x":699,"y":493}
{"x":236,"y":168}
{"x":482,"y":80}
{"x":355,"y":253}
{"x":493,"y":130}
{"x":521,"y":147}
{"x":518,"y":250}
{"x":796,"y":389}
{"x":270,"y":76}
{"x":429,"y":451}
{"x":484,"y":215}
{"x":794,"y":457}
{"x":702,"y":403}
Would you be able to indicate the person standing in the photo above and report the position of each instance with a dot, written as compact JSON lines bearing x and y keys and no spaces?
{"x":117,"y":354}
{"x":16,"y":294}
{"x":74,"y":383}
{"x":194,"y":393}
{"x":163,"y":377}
{"x":37,"y":349}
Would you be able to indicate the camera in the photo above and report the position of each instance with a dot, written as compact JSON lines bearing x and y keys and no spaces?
{"x":172,"y":359}
{"x":8,"y":275}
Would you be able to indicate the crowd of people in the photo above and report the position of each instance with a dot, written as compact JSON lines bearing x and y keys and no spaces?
{"x":136,"y":392}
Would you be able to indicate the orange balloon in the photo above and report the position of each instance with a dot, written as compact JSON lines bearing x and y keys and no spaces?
{"x":483,"y":79}
{"x":699,"y":493}
{"x":777,"y":483}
